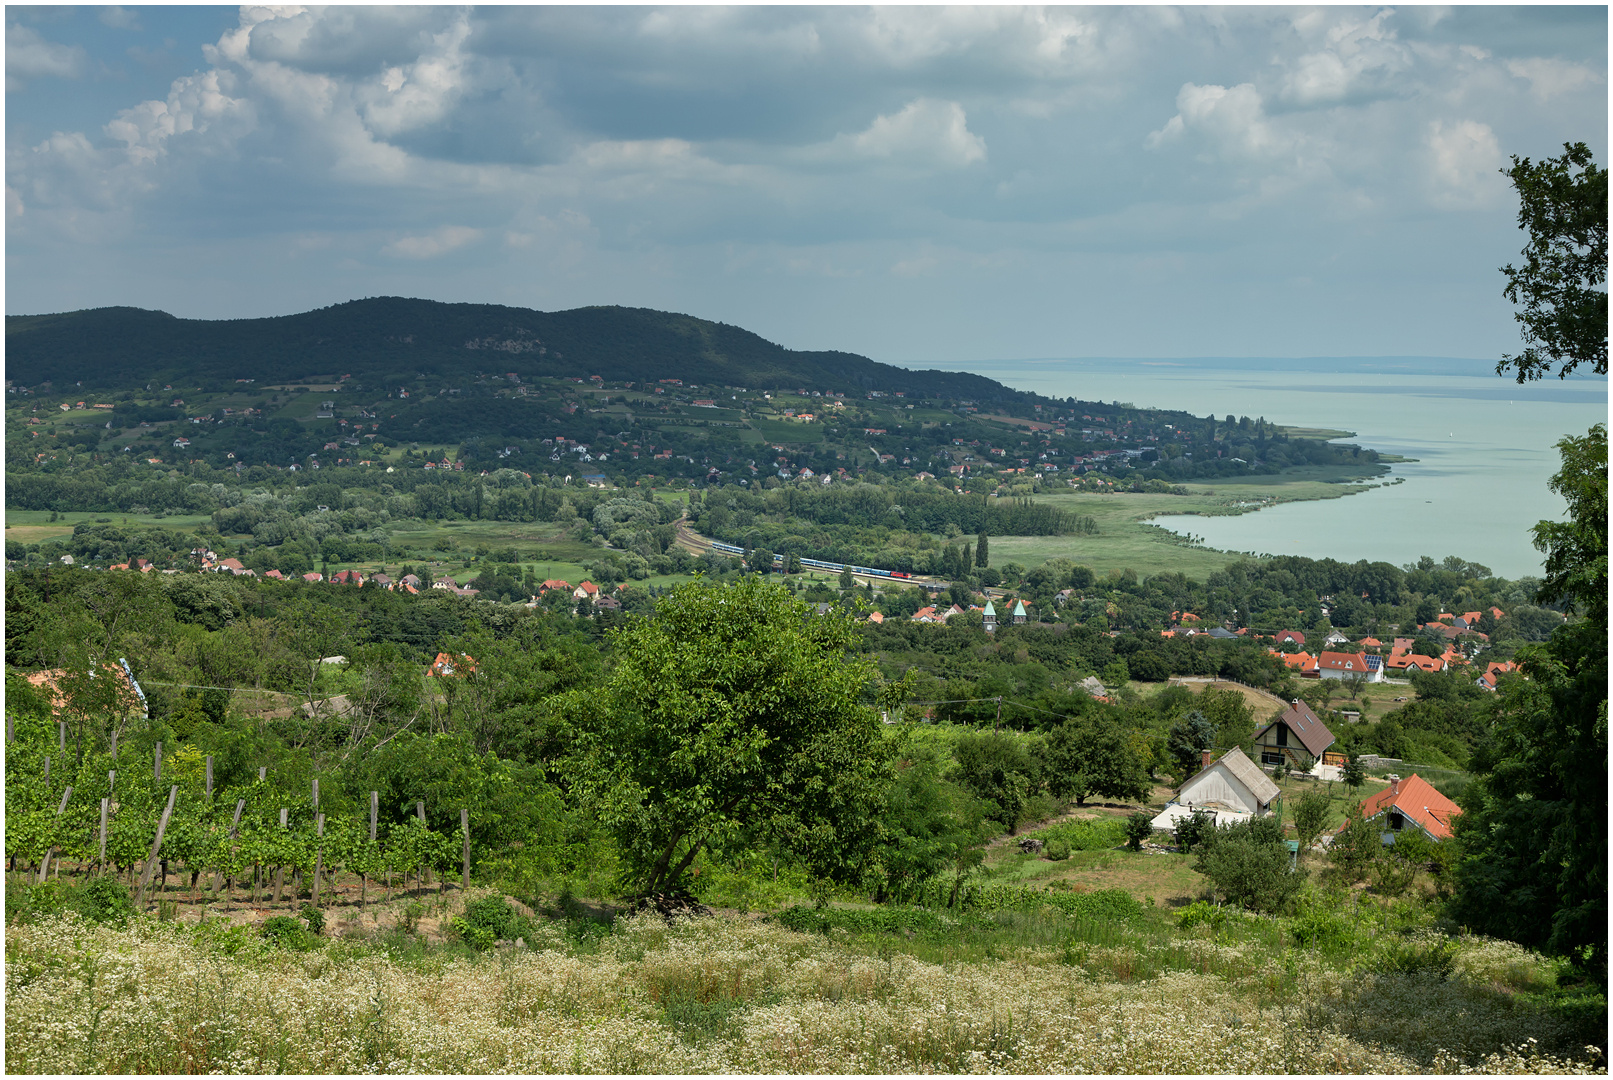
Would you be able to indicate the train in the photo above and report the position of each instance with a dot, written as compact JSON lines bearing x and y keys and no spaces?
{"x":818,"y":564}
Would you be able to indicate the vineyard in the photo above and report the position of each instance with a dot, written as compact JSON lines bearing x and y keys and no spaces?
{"x":250,"y":845}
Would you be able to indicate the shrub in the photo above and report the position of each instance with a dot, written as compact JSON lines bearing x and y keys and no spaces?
{"x":1418,"y":956}
{"x":1199,"y":913}
{"x":104,"y":900}
{"x":1056,"y":850}
{"x":1191,"y":831}
{"x":284,"y":931}
{"x":1139,"y":827}
{"x":1249,"y":865}
{"x":486,"y":921}
{"x":314,"y":918}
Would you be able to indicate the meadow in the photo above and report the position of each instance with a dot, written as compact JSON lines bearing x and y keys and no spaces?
{"x":848,"y":990}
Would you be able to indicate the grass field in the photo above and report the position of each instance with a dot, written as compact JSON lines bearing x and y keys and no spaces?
{"x":1125,"y":539}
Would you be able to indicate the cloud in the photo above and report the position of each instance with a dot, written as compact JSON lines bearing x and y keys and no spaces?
{"x":1233,"y":118}
{"x":119,"y":18}
{"x":1466,"y":161}
{"x":926,"y":133}
{"x":438,"y":242}
{"x":1358,"y":55}
{"x":29,"y":56}
{"x":1550,"y":78}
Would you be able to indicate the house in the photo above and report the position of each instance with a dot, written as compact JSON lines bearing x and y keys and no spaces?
{"x":1493,"y":672}
{"x":445,"y":583}
{"x":586,"y":591}
{"x":608,"y":603}
{"x":277,"y":575}
{"x":1337,"y":665}
{"x":313,"y":575}
{"x":234,"y":566}
{"x":1221,"y":633}
{"x":876,"y":617}
{"x":347,"y":577}
{"x":1297,"y":736}
{"x":411,"y":579}
{"x":1371,"y":643}
{"x":1335,"y":638}
{"x":129,"y":698}
{"x":446,"y":666}
{"x":1412,"y":801}
{"x":1231,"y":787}
{"x":555,"y":583}
{"x":1290,"y":635}
{"x":1302,"y":662}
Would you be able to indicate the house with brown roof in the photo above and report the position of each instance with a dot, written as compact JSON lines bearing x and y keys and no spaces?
{"x":1415,"y":802}
{"x":556,"y":583}
{"x":1290,"y":635}
{"x":1231,"y":787}
{"x":1297,"y":737}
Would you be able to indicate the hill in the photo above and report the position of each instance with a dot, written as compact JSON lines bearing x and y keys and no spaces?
{"x":402,"y":338}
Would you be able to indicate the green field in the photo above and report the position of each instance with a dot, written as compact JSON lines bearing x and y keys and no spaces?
{"x":1125,"y":540}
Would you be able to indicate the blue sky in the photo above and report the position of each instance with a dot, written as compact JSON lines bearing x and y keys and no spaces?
{"x":926,"y":186}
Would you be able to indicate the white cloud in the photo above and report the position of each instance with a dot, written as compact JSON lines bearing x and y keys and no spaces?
{"x":413,"y":96}
{"x":1357,"y":55}
{"x":1466,"y":160}
{"x":1550,"y":78}
{"x":926,"y":132}
{"x":1234,"y":118}
{"x":435,"y":243}
{"x":119,"y":18}
{"x":196,"y":103}
{"x":29,"y":56}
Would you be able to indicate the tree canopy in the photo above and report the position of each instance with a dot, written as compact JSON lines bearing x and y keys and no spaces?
{"x":735,"y":710}
{"x":1562,"y":285}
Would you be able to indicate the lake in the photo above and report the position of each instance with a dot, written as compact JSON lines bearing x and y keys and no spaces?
{"x":1485,"y":446}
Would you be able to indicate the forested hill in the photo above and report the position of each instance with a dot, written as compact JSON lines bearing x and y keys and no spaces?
{"x":401,"y":338}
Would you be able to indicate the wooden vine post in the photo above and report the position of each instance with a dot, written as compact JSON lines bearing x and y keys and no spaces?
{"x":101,"y":861}
{"x":280,"y":871}
{"x":319,"y":852}
{"x":157,"y":763}
{"x":44,"y":865}
{"x":363,"y":879}
{"x":464,"y":828}
{"x":156,"y":845}
{"x":421,"y":873}
{"x":209,"y":777}
{"x":235,"y":825}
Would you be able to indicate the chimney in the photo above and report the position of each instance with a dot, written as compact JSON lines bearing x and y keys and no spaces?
{"x":1394,"y":786}
{"x":1206,"y":758}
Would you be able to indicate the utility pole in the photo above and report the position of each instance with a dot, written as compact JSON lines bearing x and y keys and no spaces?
{"x":998,"y":723}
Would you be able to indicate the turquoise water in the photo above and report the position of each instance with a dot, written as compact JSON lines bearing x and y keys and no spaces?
{"x":1485,"y":446}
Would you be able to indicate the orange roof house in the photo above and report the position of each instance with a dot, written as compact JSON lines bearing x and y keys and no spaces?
{"x":130,"y":698}
{"x":555,"y":583}
{"x":1302,"y":662}
{"x":1290,"y":635}
{"x":586,"y":590}
{"x":1416,"y":801}
{"x":1493,"y":672}
{"x":447,"y":666}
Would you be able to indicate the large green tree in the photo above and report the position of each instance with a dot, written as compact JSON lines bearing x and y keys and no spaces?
{"x":1083,"y":757}
{"x":1534,"y":834}
{"x":1561,"y":288}
{"x":735,"y":711}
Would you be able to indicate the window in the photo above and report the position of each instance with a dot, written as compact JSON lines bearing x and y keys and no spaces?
{"x":1270,"y":757}
{"x":1282,"y":734}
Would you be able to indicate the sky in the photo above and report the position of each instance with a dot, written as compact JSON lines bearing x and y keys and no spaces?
{"x":925,"y":186}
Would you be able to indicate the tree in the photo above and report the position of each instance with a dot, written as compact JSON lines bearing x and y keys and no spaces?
{"x":1085,"y":757}
{"x":999,"y":770}
{"x":983,"y":550}
{"x":1139,"y":827}
{"x":1564,"y":315}
{"x":1310,"y":816}
{"x":733,"y":710}
{"x":1188,"y":738}
{"x":1576,"y":549}
{"x":1353,"y":774}
{"x":1248,"y":863}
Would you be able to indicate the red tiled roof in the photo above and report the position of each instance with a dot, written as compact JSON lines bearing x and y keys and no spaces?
{"x":1417,"y":800}
{"x":1337,"y":661}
